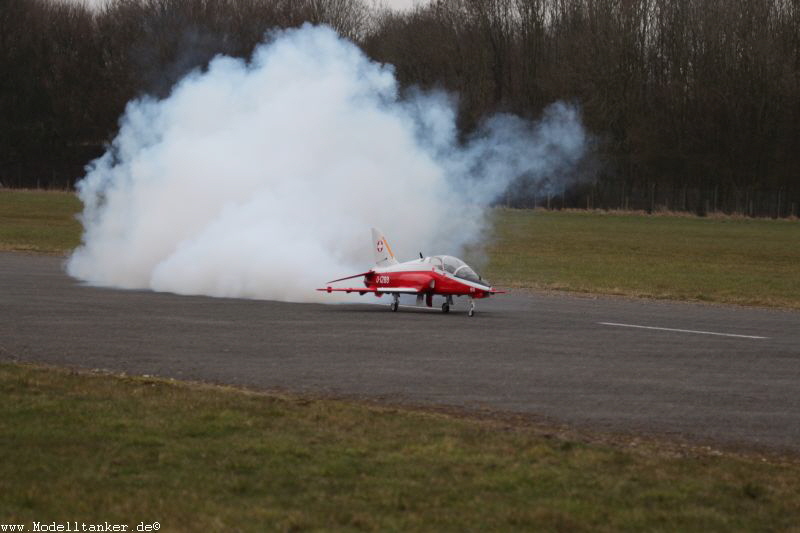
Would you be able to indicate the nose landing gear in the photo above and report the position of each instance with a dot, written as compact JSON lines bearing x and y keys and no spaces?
{"x":471,"y":311}
{"x":395,"y":302}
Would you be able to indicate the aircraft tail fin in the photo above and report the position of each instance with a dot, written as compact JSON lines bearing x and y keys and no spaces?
{"x":381,"y":250}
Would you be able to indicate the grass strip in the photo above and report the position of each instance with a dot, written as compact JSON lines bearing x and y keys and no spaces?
{"x":39,"y":221}
{"x":726,"y":260}
{"x":93,"y":448}
{"x":715,"y":259}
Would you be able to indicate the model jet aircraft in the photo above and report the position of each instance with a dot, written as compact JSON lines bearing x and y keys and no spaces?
{"x":425,"y":277}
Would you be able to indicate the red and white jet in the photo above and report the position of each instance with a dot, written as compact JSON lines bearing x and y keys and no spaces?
{"x":425,"y":277}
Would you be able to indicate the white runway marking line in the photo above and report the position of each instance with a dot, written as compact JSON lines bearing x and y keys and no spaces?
{"x":683,"y":330}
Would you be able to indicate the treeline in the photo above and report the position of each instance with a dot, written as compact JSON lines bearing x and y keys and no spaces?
{"x":693,"y":104}
{"x":67,"y":71}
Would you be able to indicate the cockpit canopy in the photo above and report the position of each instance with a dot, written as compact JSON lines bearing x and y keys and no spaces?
{"x":457,"y":267}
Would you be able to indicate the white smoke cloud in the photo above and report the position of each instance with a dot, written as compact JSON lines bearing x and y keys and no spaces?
{"x":261,"y":179}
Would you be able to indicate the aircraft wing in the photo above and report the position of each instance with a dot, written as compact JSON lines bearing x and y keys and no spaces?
{"x":364,"y":290}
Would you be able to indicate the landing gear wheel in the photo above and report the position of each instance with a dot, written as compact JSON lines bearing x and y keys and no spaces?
{"x":393,"y":306}
{"x":445,"y":307}
{"x":471,"y":311}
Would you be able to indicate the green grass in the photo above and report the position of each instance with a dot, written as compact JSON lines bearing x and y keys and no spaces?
{"x":725,"y":260}
{"x":84,"y":447}
{"x":95,"y":448}
{"x":39,"y":221}
{"x":728,"y":260}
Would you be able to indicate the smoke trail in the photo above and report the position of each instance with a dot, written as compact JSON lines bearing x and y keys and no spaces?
{"x":261,"y":179}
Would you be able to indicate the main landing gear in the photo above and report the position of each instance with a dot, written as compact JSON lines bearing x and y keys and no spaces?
{"x":395,"y":304}
{"x":446,"y":305}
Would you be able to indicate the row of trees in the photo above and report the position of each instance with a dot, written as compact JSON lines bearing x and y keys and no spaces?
{"x":67,"y":71}
{"x":698,"y":96}
{"x":683,"y":95}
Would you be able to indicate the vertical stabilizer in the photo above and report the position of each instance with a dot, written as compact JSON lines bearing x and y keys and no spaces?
{"x":382,"y":251}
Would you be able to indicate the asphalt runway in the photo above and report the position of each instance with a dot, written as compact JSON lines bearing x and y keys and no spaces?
{"x":586,"y":362}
